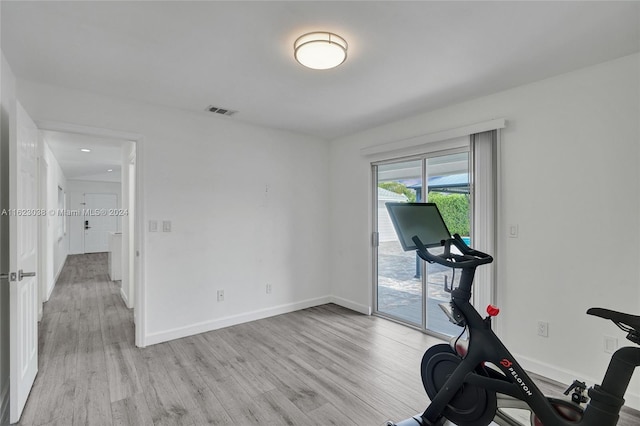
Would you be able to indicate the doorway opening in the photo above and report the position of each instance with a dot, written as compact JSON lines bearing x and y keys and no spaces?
{"x":92,"y":173}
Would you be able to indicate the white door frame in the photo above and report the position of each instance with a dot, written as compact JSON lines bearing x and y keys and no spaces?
{"x":139,"y":315}
{"x":43,"y":168}
{"x":131,"y":224}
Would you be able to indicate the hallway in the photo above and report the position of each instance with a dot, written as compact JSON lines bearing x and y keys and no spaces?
{"x":85,"y":348}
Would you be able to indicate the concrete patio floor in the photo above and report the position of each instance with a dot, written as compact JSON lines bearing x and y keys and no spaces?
{"x":400,"y":292}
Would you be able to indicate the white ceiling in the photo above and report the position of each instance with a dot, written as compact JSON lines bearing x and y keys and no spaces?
{"x":403,"y":58}
{"x":105,"y":154}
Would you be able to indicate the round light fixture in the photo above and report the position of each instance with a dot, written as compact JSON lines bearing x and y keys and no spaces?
{"x":320,"y":50}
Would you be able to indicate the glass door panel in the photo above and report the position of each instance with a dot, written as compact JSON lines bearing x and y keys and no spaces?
{"x":399,"y":285}
{"x":448,"y":187}
{"x":404,"y":290}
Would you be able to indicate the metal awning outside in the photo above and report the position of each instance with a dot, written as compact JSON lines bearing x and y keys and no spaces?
{"x":454,"y":184}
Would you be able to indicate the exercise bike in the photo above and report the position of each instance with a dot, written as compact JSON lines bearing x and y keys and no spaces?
{"x":474,"y":386}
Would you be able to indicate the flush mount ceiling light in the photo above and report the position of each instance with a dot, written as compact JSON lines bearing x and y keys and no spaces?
{"x":320,"y":50}
{"x":85,"y":150}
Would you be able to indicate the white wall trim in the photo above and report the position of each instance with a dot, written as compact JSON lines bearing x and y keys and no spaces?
{"x":415,"y":141}
{"x":552,"y":372}
{"x":55,"y":278}
{"x":349,"y":304}
{"x":86,"y":130}
{"x":123,"y":294}
{"x":203,"y":327}
{"x":139,"y":264}
{"x":4,"y":404}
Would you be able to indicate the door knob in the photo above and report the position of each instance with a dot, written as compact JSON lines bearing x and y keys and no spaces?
{"x":22,"y":275}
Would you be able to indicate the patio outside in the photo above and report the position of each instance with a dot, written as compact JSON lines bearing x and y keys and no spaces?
{"x":400,"y":290}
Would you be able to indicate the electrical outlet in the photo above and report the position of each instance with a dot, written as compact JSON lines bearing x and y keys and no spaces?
{"x":220,"y":295}
{"x":166,"y":226}
{"x":268,"y":288}
{"x":543,"y":329}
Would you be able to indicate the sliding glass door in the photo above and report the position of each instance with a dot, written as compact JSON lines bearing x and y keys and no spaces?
{"x":400,"y":289}
{"x":407,"y":289}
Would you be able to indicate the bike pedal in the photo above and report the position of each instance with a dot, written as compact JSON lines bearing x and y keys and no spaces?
{"x":454,"y":317}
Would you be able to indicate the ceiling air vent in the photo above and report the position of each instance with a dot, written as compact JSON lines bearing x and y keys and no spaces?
{"x":221,"y":111}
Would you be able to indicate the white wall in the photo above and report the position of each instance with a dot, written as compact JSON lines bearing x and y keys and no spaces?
{"x":57,"y":244}
{"x":248,"y":205}
{"x":7,"y":115}
{"x":75,"y":191}
{"x":569,"y":169}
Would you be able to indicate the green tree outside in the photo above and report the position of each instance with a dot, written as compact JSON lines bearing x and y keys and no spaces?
{"x":399,"y":188}
{"x":455,"y":211}
{"x":453,"y":207}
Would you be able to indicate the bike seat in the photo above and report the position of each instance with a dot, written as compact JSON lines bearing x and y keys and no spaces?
{"x":632,"y":321}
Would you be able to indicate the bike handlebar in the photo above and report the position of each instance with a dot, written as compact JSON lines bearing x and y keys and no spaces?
{"x":470,"y":258}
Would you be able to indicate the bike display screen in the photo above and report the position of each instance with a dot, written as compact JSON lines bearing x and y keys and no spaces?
{"x":421,"y":219}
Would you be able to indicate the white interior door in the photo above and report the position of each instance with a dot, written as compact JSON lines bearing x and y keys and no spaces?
{"x":23,"y":238}
{"x":98,"y":222}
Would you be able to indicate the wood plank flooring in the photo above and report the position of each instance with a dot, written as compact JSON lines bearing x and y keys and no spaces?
{"x":319,"y":366}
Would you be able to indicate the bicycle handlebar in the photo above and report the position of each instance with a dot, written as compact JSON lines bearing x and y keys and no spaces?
{"x":470,"y":258}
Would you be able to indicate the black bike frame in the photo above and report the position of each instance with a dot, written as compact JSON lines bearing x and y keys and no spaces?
{"x":485,"y":346}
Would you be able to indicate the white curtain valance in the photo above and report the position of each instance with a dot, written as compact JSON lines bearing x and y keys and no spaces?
{"x":417,"y":141}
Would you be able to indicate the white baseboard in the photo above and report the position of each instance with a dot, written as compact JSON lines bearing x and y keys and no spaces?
{"x":124,"y":297}
{"x":55,"y":279}
{"x":345,"y":303}
{"x":203,"y":327}
{"x":567,"y":377}
{"x":4,"y":405}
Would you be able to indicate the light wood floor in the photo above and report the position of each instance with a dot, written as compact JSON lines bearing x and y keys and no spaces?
{"x":319,"y":366}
